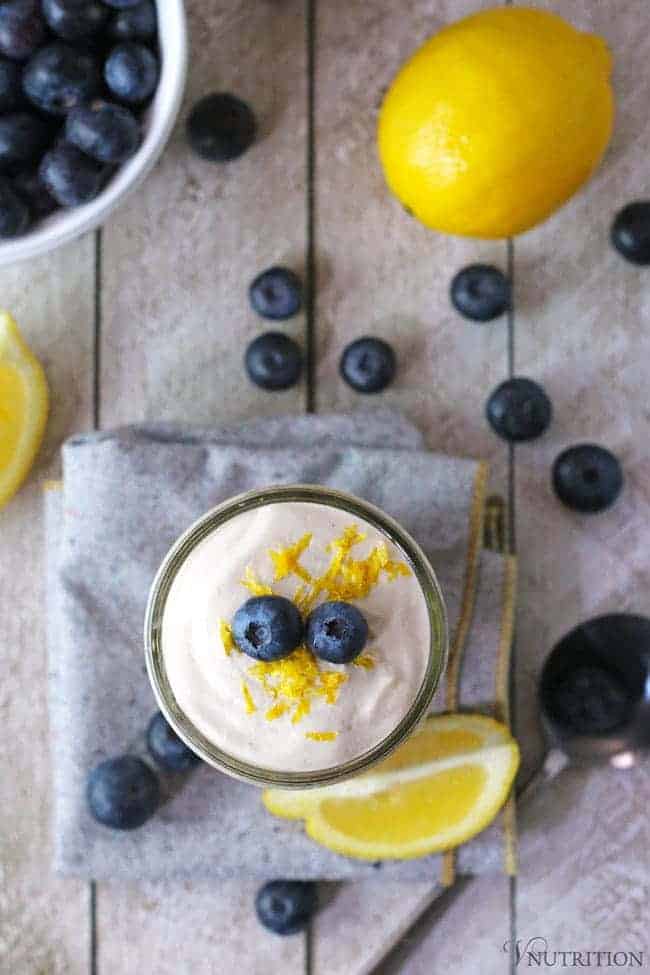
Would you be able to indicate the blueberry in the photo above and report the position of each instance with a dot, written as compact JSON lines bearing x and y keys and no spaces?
{"x":28,"y":186}
{"x":123,"y":792}
{"x":134,"y":24}
{"x":267,"y":627}
{"x":11,"y":89}
{"x":22,"y":28}
{"x":519,"y":410}
{"x":274,"y":361}
{"x":480,"y":292}
{"x":587,"y":478}
{"x":131,"y":72}
{"x":590,"y":700}
{"x":336,"y":632}
{"x":59,"y":77}
{"x":167,"y":748}
{"x":368,"y":365}
{"x":70,"y":176}
{"x":221,"y":127}
{"x":23,"y":138}
{"x":631,"y":232}
{"x":276,"y":293}
{"x":73,"y":19}
{"x":109,"y":133}
{"x":14,"y":212}
{"x":286,"y":906}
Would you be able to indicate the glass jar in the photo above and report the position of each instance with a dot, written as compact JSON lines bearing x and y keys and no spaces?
{"x":208,"y":523}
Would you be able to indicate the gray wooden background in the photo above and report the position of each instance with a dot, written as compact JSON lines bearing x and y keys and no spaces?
{"x":148,"y":319}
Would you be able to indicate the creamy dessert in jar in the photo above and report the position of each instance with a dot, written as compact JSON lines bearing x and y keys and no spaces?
{"x":295,"y":635}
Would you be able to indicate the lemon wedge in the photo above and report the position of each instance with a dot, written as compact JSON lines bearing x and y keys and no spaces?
{"x":23,"y":407}
{"x":445,"y":785}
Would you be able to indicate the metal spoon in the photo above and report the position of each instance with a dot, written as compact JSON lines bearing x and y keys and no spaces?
{"x":594,"y":693}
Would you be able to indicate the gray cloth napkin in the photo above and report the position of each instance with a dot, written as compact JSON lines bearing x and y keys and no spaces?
{"x":126,"y":495}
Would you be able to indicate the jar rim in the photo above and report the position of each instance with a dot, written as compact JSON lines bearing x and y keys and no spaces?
{"x":218,"y":757}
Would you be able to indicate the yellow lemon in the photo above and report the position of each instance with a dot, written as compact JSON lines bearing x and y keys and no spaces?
{"x":438,"y":790}
{"x":23,"y":407}
{"x":496,"y":121}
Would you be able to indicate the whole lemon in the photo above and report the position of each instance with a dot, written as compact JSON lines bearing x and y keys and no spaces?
{"x":496,"y":121}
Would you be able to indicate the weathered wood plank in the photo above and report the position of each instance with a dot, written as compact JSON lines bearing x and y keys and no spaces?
{"x":43,"y":919}
{"x":583,"y":330}
{"x":190,"y":928}
{"x":177,"y":263}
{"x":381,"y":273}
{"x":179,"y":257}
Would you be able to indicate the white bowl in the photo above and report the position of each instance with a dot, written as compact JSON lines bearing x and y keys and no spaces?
{"x":65,"y":225}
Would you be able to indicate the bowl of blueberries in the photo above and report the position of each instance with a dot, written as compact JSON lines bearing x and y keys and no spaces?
{"x":89,"y":93}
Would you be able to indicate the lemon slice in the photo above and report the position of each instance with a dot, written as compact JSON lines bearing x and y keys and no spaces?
{"x":23,"y":407}
{"x":445,"y":785}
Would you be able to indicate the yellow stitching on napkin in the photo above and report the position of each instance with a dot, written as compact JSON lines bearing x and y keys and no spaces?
{"x":502,"y":675}
{"x":448,"y":869}
{"x":502,"y":709}
{"x":476,"y":516}
{"x":476,"y":519}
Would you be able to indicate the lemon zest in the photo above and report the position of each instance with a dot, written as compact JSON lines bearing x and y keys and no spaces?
{"x":276,"y":711}
{"x":225,"y":632}
{"x":254,"y":585}
{"x":294,"y":682}
{"x":248,"y":698}
{"x":286,"y":561}
{"x":321,"y":735}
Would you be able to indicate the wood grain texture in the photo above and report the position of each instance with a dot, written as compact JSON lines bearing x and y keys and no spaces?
{"x":583,"y":330}
{"x":177,"y":263}
{"x":43,"y":919}
{"x":464,"y":932}
{"x":585,"y":862}
{"x":179,"y":257}
{"x":194,"y":928}
{"x":382,"y":273}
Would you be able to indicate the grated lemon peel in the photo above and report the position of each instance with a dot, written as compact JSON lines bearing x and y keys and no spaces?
{"x":225,"y":632}
{"x":294,"y":682}
{"x":249,"y":703}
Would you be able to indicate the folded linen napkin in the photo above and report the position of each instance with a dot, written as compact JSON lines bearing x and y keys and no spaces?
{"x":126,"y":495}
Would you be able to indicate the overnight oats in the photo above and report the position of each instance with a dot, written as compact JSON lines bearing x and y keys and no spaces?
{"x":294,"y":636}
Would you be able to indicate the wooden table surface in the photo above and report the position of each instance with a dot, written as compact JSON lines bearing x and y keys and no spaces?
{"x":148,"y":319}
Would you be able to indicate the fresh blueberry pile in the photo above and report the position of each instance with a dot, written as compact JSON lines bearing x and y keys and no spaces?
{"x":75,"y":77}
{"x":125,"y":792}
{"x":270,"y":628}
{"x":274,"y":361}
